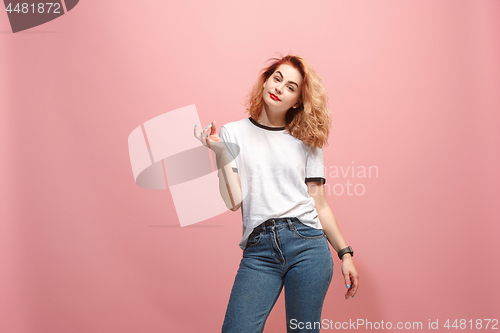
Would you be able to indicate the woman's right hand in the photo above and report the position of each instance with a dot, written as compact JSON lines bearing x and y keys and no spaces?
{"x":209,"y":137}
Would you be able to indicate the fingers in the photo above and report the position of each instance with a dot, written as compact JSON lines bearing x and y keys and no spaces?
{"x":206,"y":133}
{"x":203,"y":136}
{"x":207,"y":138}
{"x":347,"y":280}
{"x":353,"y":285}
{"x":211,"y":130}
{"x":214,"y":128}
{"x":348,"y":284}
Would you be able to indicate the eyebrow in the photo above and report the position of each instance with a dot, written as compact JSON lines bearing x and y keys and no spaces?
{"x":289,"y":80}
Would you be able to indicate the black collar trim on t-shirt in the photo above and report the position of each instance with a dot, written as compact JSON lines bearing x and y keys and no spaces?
{"x":266,"y":127}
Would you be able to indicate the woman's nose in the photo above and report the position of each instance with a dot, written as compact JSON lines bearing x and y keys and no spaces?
{"x":279,"y":89}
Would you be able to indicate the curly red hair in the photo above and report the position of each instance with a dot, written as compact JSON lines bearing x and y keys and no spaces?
{"x":310,"y":122}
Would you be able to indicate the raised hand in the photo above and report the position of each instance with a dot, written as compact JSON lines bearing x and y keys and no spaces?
{"x":209,"y":137}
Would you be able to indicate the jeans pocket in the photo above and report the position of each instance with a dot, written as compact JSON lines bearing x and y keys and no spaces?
{"x":254,"y":238}
{"x":307,"y":232}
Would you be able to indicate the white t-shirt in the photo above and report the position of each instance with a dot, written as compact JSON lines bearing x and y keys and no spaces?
{"x":273,"y":168}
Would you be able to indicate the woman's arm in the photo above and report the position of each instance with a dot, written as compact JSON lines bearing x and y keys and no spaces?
{"x":332,"y":231}
{"x":229,"y":182}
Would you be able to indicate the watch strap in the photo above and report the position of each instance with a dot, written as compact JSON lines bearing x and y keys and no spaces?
{"x":344,"y":251}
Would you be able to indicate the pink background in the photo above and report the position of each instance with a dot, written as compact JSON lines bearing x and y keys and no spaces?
{"x":414,"y":90}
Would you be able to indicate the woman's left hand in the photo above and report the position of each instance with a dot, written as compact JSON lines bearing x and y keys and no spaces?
{"x":351,"y":277}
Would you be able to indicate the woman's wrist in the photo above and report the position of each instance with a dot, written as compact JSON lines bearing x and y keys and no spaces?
{"x":346,"y":256}
{"x":219,"y":151}
{"x":221,"y":156}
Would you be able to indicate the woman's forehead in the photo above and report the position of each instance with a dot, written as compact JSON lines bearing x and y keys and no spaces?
{"x":289,"y":73}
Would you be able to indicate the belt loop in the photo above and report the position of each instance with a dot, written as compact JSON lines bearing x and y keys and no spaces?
{"x":290,"y":224}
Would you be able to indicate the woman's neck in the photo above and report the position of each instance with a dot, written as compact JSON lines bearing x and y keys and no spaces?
{"x":271,"y":120}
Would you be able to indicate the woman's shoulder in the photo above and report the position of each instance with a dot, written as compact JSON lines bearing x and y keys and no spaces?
{"x":236,"y":126}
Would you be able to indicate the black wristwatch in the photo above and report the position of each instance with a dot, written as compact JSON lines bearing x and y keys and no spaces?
{"x":344,"y":251}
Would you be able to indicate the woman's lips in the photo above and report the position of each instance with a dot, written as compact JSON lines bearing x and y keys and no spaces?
{"x":274,"y":97}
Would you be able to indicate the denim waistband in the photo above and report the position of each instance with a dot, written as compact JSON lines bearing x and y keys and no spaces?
{"x":278,"y":223}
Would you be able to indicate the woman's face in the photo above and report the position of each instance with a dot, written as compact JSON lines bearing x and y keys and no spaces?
{"x":283,"y":88}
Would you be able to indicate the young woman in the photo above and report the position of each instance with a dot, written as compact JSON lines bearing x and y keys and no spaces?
{"x":271,"y":165}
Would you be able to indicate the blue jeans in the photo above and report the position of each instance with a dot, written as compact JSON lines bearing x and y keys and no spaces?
{"x":281,"y":252}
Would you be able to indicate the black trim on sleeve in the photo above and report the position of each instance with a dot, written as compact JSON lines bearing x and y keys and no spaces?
{"x":234,"y":170}
{"x":316,"y":179}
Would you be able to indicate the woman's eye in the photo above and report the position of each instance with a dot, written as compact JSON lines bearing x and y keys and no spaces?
{"x":291,"y":89}
{"x":276,"y":79}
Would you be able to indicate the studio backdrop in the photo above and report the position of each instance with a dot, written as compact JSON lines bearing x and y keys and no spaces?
{"x":100,"y":231}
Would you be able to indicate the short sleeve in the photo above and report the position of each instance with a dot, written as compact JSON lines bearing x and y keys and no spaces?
{"x":231,"y":147}
{"x":315,"y":170}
